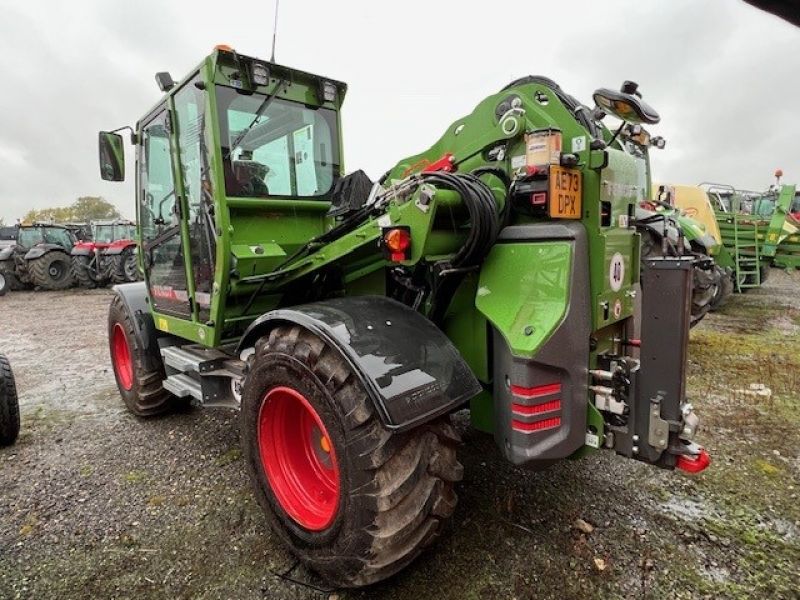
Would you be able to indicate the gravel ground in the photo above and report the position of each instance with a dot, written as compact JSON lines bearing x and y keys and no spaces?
{"x":97,"y":504}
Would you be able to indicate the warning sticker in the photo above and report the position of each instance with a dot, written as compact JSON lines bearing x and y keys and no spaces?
{"x":616,"y":271}
{"x":579,"y":143}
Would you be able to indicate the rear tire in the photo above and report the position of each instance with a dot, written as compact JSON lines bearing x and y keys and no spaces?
{"x":84,"y":275}
{"x":53,"y":271}
{"x":139,"y":371}
{"x":123,"y":266}
{"x":9,"y":404}
{"x":394,"y":491}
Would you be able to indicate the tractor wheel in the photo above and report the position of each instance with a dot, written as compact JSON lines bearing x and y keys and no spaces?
{"x":139,"y":371}
{"x":8,"y":272}
{"x":353,"y":500}
{"x":53,"y":271}
{"x":124,"y":268}
{"x":705,"y":284}
{"x":9,"y":405}
{"x":724,"y":288}
{"x":3,"y":284}
{"x":85,"y":275}
{"x":704,"y":281}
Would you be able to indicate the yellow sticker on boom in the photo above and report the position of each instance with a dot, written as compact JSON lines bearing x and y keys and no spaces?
{"x":566,"y":193}
{"x":163,"y":324}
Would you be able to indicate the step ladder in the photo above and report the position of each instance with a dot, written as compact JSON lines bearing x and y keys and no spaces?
{"x":206,"y":375}
{"x":747,"y":255}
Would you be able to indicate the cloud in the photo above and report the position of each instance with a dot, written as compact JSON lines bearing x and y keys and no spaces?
{"x":719,"y":72}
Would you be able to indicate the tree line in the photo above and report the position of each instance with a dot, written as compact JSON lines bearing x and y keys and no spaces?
{"x":85,"y":208}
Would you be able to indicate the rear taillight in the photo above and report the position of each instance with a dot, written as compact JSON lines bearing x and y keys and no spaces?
{"x":396,"y":243}
{"x":536,"y":408}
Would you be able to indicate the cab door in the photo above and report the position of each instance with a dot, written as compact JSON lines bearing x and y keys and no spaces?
{"x":160,"y":219}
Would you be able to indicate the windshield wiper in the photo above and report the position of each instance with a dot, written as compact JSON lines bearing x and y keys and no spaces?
{"x":243,"y":134}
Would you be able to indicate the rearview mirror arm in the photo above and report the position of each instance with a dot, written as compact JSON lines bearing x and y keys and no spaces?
{"x":134,"y":137}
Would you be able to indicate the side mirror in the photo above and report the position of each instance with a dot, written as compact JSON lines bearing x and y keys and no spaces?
{"x":112,"y":157}
{"x":627,"y":107}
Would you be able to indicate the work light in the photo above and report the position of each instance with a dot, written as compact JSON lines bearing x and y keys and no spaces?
{"x":327,"y":91}
{"x":260,"y":74}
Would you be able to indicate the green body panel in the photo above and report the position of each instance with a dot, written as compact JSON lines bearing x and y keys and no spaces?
{"x":524,"y":292}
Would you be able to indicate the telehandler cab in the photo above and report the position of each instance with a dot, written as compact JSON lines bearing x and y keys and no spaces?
{"x":499,"y":270}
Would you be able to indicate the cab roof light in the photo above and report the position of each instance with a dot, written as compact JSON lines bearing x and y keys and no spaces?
{"x":260,"y":73}
{"x":327,"y":91}
{"x":224,"y":48}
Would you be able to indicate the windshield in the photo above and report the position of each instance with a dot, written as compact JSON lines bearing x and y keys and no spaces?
{"x":30,"y":236}
{"x":290,"y":150}
{"x":110,"y":233}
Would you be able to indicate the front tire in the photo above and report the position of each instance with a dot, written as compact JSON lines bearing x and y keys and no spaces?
{"x":9,"y":404}
{"x":375,"y":498}
{"x":52,"y":271}
{"x":8,"y":270}
{"x":724,"y":288}
{"x":139,"y":371}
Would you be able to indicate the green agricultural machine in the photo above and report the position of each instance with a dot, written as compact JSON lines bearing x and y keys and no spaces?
{"x":346,"y":319}
{"x":669,"y":231}
{"x":758,"y":230}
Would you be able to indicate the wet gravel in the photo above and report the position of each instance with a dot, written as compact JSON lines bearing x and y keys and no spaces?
{"x":97,"y":504}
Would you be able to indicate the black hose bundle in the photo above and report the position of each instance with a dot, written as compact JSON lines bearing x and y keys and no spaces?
{"x":482,"y":207}
{"x":483,"y":229}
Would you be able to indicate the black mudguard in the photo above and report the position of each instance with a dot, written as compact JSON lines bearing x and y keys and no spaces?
{"x":134,"y":296}
{"x":410,"y":369}
{"x":115,"y":250}
{"x":41,"y":249}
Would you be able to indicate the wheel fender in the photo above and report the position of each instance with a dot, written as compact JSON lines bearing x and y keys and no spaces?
{"x":6,"y":253}
{"x":134,"y":296}
{"x":35,"y":253}
{"x":82,"y":250}
{"x":42,"y":249}
{"x":116,"y":249}
{"x":661,"y":227}
{"x":410,"y":369}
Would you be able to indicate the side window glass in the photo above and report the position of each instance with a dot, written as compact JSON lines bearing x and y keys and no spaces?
{"x":158,"y":187}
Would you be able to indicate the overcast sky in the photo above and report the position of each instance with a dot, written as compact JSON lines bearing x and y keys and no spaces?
{"x":723,"y":75}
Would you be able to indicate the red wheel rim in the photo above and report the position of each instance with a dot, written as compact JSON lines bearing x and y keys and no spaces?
{"x":121,"y":357}
{"x":298,"y":458}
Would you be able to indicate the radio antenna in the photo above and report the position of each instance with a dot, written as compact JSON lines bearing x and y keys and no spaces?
{"x":274,"y":31}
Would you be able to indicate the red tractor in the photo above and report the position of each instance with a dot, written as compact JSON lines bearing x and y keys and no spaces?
{"x":109,"y":257}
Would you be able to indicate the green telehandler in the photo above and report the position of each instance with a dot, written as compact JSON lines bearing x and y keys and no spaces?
{"x":346,"y":319}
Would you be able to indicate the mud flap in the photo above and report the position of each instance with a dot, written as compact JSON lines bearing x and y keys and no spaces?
{"x":540,"y":398}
